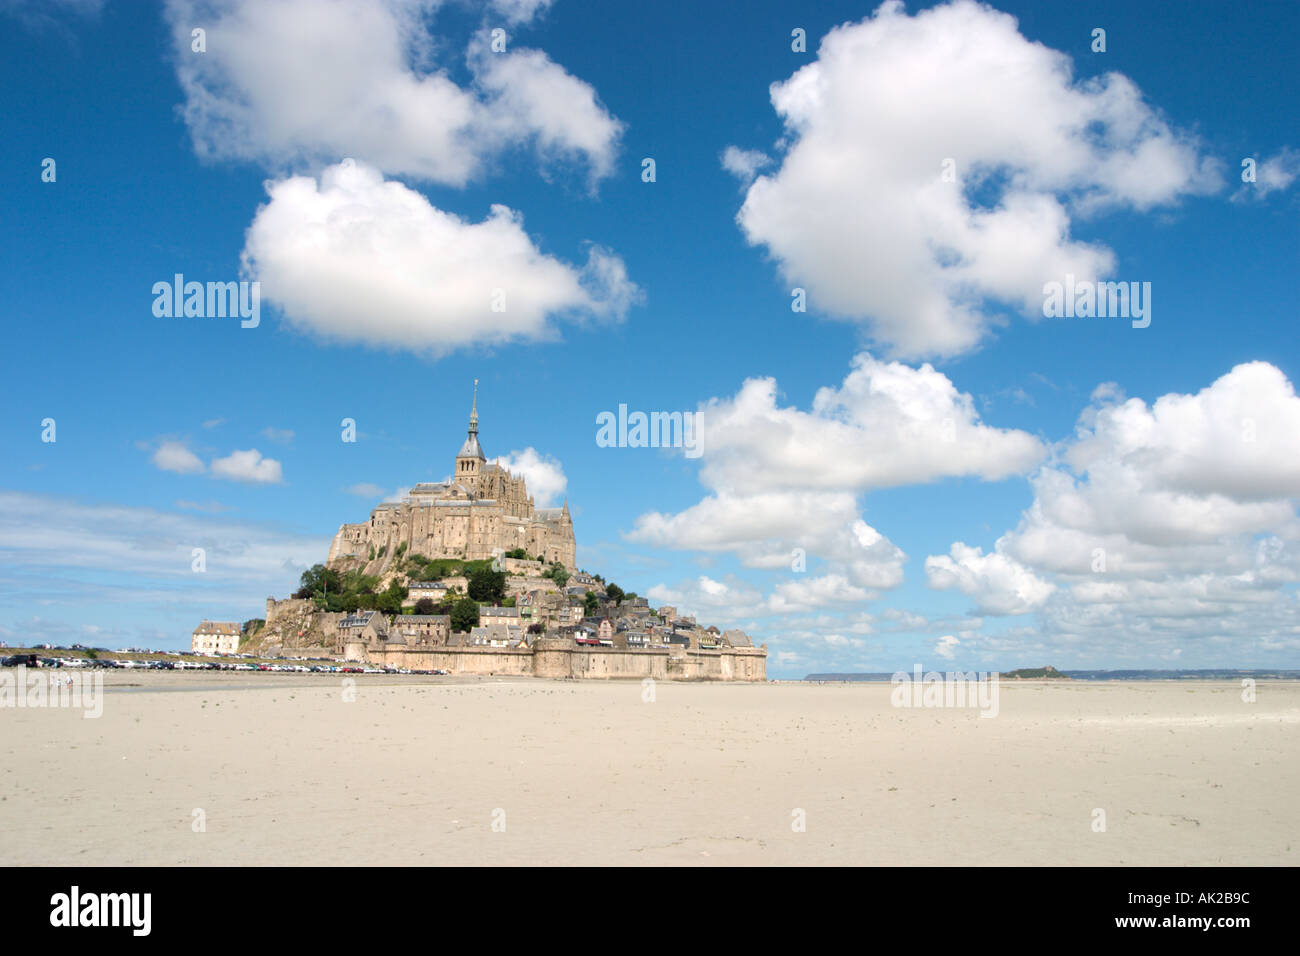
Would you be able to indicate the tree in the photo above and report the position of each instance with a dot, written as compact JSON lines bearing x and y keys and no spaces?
{"x":518,"y":553}
{"x":537,"y":628}
{"x":590,"y":604}
{"x":390,"y":602}
{"x":464,"y":614}
{"x":426,"y":606}
{"x":487,"y":585}
{"x":558,"y":574}
{"x":318,"y":579}
{"x":614,"y":592}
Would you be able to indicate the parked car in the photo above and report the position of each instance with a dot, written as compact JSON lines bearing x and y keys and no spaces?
{"x":21,"y":660}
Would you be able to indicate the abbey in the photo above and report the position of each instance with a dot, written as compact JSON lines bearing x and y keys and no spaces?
{"x":481,"y":511}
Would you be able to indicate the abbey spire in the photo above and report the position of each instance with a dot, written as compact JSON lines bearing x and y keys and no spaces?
{"x":473,"y":412}
{"x":471,"y":453}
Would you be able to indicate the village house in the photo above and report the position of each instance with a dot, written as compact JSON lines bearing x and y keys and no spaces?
{"x":368,"y":627}
{"x":435,"y":591}
{"x":548,"y":606}
{"x":497,"y":635}
{"x":710,"y":639}
{"x":417,"y":629}
{"x":216,"y":637}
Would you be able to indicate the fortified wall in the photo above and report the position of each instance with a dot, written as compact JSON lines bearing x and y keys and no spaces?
{"x":562,"y":658}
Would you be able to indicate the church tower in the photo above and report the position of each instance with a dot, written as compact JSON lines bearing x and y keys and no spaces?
{"x":471,"y":458}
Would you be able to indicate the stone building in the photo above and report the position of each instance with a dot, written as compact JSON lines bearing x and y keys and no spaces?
{"x":364,"y":626}
{"x":421,"y":629}
{"x":216,"y":637}
{"x":497,"y":634}
{"x":480,"y":512}
{"x":434,"y":591}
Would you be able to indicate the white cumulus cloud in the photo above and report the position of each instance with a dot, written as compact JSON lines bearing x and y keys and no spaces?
{"x":709,"y":600}
{"x":861,"y":215}
{"x":744,"y":164}
{"x":999,"y":584}
{"x":544,"y":475}
{"x":288,"y":81}
{"x":520,"y":11}
{"x":886,"y":425}
{"x":782,"y":478}
{"x":248,"y":466}
{"x":356,"y":258}
{"x":175,"y":456}
{"x":1273,"y":174}
{"x":1160,"y":523}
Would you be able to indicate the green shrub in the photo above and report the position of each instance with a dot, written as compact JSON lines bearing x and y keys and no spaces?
{"x":487,"y":585}
{"x":464,"y":614}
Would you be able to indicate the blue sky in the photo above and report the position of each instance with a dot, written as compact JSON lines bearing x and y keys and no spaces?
{"x":669,"y":295}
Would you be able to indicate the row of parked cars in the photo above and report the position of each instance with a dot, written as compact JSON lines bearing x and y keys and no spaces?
{"x":103,"y":663}
{"x":108,"y":663}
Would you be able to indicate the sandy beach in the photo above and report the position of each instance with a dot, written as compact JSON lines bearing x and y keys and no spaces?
{"x":282,"y":769}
